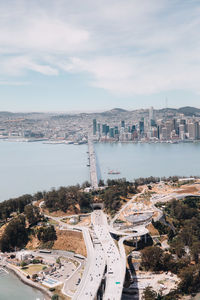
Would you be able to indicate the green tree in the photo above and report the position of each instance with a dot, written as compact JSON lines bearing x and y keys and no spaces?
{"x":152,"y":258}
{"x":55,"y":297}
{"x":32,"y":213}
{"x":46,"y":233}
{"x":23,"y":264}
{"x":195,"y":251}
{"x":101,"y":182}
{"x":190,"y":279}
{"x":15,"y":234}
{"x":58,"y":260}
{"x":149,"y":294}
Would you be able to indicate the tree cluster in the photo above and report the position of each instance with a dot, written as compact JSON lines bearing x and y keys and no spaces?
{"x":32,"y":214}
{"x":66,"y":198}
{"x":113,"y":194}
{"x":164,"y":229}
{"x":150,"y":294}
{"x":14,"y":205}
{"x":15,"y":234}
{"x":46,"y":234}
{"x":155,"y":259}
{"x":152,"y":179}
{"x":184,"y":244}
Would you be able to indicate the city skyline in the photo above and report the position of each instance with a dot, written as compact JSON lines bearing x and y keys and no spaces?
{"x":68,"y":56}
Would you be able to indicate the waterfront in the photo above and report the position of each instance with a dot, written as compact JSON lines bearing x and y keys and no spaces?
{"x":12,"y":288}
{"x":31,"y":167}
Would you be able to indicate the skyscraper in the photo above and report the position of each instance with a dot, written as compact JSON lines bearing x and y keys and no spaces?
{"x":94,"y":126}
{"x":197,"y":130}
{"x":122,"y":123}
{"x":151,"y":114}
{"x":111,"y":133}
{"x":141,"y":127}
{"x":104,"y":129}
{"x":99,"y":127}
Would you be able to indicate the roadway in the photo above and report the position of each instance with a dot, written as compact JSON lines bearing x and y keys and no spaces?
{"x":114,"y":262}
{"x":94,"y":269}
{"x":125,"y":206}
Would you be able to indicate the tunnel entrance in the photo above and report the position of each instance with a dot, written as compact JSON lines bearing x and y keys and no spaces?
{"x":96,"y":206}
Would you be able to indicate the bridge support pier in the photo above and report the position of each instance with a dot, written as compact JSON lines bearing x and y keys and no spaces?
{"x":136,"y":242}
{"x":145,"y":238}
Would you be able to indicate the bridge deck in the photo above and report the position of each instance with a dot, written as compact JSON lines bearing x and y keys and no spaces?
{"x":93,"y":166}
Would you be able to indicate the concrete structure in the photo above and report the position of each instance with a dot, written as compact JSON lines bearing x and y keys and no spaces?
{"x":23,"y":255}
{"x":94,"y":126}
{"x":94,"y":269}
{"x":137,"y":219}
{"x":93,"y":167}
{"x":114,"y":277}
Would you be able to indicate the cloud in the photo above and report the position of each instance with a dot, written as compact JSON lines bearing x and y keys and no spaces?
{"x":18,"y":65}
{"x":14,"y":83}
{"x":43,"y":34}
{"x":126,"y":47}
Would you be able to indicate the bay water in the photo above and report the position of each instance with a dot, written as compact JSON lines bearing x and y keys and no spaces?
{"x":32,"y":167}
{"x":12,"y":288}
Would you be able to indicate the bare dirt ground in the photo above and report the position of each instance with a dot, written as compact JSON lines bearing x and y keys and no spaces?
{"x":152,"y":230}
{"x":189,"y":189}
{"x":66,"y":240}
{"x":163,"y":189}
{"x":2,"y":229}
{"x":70,"y":241}
{"x":60,"y":213}
{"x":167,"y":189}
{"x":33,"y":243}
{"x":163,"y":282}
{"x":85,"y":221}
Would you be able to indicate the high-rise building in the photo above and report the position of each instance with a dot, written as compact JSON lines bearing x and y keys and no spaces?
{"x":182,"y":131}
{"x":111,"y":133}
{"x":164,"y":133}
{"x":197,"y":130}
{"x":99,"y":127}
{"x":151,"y":114}
{"x":94,"y":126}
{"x":169,"y":127}
{"x":191,"y":130}
{"x":116,"y":130}
{"x":123,"y":123}
{"x":141,"y":127}
{"x":158,"y":131}
{"x":107,"y":129}
{"x":152,"y":123}
{"x":175,"y":126}
{"x":104,"y":129}
{"x":133,"y":128}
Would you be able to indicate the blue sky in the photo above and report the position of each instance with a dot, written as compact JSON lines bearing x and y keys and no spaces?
{"x":63,"y":55}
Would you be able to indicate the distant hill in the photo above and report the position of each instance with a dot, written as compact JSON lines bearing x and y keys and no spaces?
{"x":115,"y":112}
{"x":189,"y":110}
{"x":112,"y":112}
{"x":186,"y":110}
{"x":6,"y":113}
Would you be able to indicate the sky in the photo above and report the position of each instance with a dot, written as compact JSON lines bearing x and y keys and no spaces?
{"x":64,"y":55}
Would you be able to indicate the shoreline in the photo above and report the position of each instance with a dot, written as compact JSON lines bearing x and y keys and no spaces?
{"x":66,"y":142}
{"x":47,"y":294}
